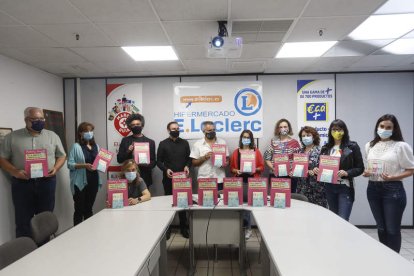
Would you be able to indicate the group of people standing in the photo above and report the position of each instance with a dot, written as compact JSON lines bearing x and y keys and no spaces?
{"x":385,"y":192}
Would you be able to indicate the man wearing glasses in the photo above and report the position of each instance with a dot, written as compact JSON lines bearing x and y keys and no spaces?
{"x":31,"y":196}
{"x":201,"y":153}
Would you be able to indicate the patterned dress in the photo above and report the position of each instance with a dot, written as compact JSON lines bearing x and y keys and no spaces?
{"x":312,"y":189}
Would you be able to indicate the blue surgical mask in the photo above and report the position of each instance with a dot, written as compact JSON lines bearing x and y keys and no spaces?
{"x":246,"y":141}
{"x":383,"y":133}
{"x":88,"y":135}
{"x":38,"y":125}
{"x":308,"y":140}
{"x":130,"y":176}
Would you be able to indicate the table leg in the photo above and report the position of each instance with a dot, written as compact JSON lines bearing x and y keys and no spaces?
{"x":163,"y":256}
{"x":191,"y":244}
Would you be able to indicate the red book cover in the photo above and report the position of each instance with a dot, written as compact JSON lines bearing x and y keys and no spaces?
{"x":328,"y":169}
{"x":207,"y":192}
{"x":219,"y":155}
{"x":182,"y":192}
{"x":35,"y":163}
{"x":300,"y":165}
{"x":257,"y":191}
{"x":117,"y":193}
{"x":233,"y":184}
{"x":247,"y":161}
{"x":280,"y":185}
{"x":142,"y":153}
{"x":102,"y":160}
{"x":281,"y":164}
{"x":179,"y":175}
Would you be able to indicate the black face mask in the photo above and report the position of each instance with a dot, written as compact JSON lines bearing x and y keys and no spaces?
{"x":38,"y":125}
{"x":136,"y":130}
{"x":211,"y":135}
{"x":174,"y":133}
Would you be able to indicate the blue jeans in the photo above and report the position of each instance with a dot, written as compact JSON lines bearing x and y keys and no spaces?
{"x":387,"y":200}
{"x":340,"y":199}
{"x":31,"y":197}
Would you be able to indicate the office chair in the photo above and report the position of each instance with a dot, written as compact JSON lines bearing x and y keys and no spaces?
{"x":299,"y":197}
{"x":15,"y":249}
{"x":43,"y":225}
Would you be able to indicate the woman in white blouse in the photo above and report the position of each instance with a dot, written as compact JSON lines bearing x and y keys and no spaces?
{"x":389,"y":160}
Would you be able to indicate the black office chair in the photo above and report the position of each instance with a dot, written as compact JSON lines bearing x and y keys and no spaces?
{"x":299,"y":197}
{"x":44,"y":226}
{"x":15,"y":249}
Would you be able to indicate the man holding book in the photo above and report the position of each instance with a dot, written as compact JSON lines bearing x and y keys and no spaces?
{"x":173,"y":155}
{"x":33,"y":191}
{"x":210,"y":163}
{"x":128,"y":147}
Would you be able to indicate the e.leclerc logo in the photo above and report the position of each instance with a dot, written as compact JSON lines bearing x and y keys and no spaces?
{"x":248,"y":102}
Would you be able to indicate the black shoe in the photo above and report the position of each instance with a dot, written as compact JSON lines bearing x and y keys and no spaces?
{"x":168,"y":234}
{"x":184,"y":233}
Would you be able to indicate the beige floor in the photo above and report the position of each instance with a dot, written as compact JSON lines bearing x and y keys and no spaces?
{"x":227,"y":263}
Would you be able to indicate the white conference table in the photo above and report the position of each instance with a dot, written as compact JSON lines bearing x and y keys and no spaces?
{"x":109,"y":243}
{"x":310,"y":240}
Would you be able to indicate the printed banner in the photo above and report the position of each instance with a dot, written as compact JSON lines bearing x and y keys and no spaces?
{"x":316,"y":105}
{"x":121,"y":101}
{"x":232,"y":106}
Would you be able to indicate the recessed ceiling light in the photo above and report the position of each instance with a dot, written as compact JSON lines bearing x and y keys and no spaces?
{"x":384,"y":27}
{"x":304,"y":49}
{"x":151,"y":53}
{"x":396,"y":6}
{"x":404,"y":46}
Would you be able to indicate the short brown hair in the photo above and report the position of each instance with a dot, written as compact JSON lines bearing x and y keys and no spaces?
{"x":128,"y":163}
{"x":276,"y":133}
{"x":311,"y":130}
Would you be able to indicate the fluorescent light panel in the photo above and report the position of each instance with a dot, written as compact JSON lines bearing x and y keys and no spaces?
{"x":304,"y":49}
{"x":151,"y":53}
{"x":396,"y":6}
{"x":404,"y":46}
{"x":384,"y":27}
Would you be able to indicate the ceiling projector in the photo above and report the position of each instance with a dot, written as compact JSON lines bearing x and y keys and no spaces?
{"x":225,"y":47}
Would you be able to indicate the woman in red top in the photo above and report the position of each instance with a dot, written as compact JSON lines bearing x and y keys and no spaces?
{"x":246,"y":142}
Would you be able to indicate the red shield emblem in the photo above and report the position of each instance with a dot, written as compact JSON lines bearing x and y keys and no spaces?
{"x":120,"y":125}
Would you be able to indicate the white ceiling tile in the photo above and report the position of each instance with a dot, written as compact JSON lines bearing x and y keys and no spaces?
{"x":42,"y":11}
{"x":72,"y":68}
{"x":177,"y":10}
{"x":162,"y":66}
{"x":191,"y":33}
{"x":22,"y":36}
{"x":6,"y":20}
{"x":206,"y":65}
{"x":52,"y":55}
{"x":270,"y":36}
{"x":331,"y":64}
{"x":247,"y":9}
{"x":116,"y":11}
{"x":246,"y":26}
{"x":355,"y":48}
{"x":396,"y":6}
{"x":136,"y":33}
{"x":334,"y":28}
{"x":191,"y":51}
{"x":377,"y":61}
{"x":341,"y":7}
{"x":288,"y":65}
{"x":247,"y":37}
{"x":122,"y":66}
{"x":247,"y":66}
{"x":18,"y":55}
{"x":103,"y":54}
{"x":260,"y":50}
{"x":405,"y":60}
{"x":65,"y":34}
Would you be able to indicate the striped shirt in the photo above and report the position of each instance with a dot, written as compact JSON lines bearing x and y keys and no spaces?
{"x":278,"y":147}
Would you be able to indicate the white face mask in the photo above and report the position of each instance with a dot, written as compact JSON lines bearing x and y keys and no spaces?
{"x":383,"y":133}
{"x":130,"y":176}
{"x":308,"y":140}
{"x":284,"y":131}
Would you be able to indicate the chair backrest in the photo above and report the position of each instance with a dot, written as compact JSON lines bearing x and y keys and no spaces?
{"x":299,"y":197}
{"x":43,"y":226}
{"x":15,"y":249}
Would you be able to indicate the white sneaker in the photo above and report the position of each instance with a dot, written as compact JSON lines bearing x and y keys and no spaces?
{"x":248,"y":234}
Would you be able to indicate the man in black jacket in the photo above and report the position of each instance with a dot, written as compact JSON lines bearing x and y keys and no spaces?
{"x":136,"y":123}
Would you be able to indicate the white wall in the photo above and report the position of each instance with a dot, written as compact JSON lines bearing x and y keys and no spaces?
{"x":361,"y":98}
{"x":23,"y":86}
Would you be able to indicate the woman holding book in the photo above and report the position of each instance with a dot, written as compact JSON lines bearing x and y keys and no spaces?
{"x":308,"y":186}
{"x":341,"y":194}
{"x":246,"y":161}
{"x":282,"y":143}
{"x":390,"y":160}
{"x":137,"y":189}
{"x":84,"y":180}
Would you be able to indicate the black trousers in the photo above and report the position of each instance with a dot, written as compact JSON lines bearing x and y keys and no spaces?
{"x":83,"y":201}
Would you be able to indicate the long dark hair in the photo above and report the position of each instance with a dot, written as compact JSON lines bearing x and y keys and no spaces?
{"x":345,"y":139}
{"x":396,"y":132}
{"x":83,"y":127}
{"x":252,"y":144}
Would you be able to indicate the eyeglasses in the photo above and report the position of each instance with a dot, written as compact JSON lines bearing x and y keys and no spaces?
{"x":36,"y":119}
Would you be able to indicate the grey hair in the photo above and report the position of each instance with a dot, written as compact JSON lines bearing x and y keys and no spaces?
{"x":30,"y":109}
{"x":205,"y":123}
